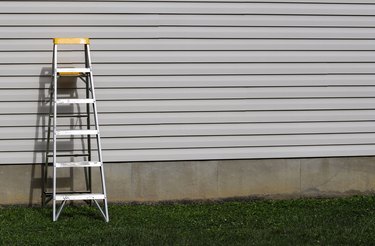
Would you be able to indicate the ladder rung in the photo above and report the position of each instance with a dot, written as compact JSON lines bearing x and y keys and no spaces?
{"x":50,"y":193}
{"x":72,"y":70}
{"x":77,"y":132}
{"x":69,"y":115}
{"x":69,"y":155}
{"x":79,"y":164}
{"x":71,"y":101}
{"x":70,"y":197}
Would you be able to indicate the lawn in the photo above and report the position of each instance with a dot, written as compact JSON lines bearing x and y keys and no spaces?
{"x":339,"y":221}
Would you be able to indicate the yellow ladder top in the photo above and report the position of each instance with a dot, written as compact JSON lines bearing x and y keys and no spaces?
{"x":71,"y":41}
{"x":69,"y":73}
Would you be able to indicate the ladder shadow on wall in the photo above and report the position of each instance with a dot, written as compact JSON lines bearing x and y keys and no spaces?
{"x":67,"y":88}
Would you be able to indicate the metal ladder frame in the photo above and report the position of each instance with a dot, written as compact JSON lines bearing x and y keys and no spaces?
{"x":86,"y":75}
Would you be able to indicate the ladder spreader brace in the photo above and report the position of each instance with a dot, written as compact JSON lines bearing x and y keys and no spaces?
{"x":85,"y":73}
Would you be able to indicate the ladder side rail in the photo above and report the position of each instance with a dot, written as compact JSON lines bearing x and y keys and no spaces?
{"x":88,"y":119}
{"x":92,"y":86}
{"x":54,"y":127}
{"x":45,"y":171}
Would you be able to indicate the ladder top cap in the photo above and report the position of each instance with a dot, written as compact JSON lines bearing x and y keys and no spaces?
{"x":71,"y":41}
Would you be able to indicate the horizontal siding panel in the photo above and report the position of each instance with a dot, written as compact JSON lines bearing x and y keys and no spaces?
{"x":236,"y":105}
{"x":212,"y":93}
{"x":40,"y":146}
{"x":221,"y":44}
{"x":32,"y":157}
{"x":202,"y":69}
{"x":241,"y":153}
{"x":237,"y":129}
{"x":186,"y":8}
{"x":197,"y":93}
{"x":291,"y":1}
{"x":114,"y":131}
{"x":197,"y":105}
{"x":196,"y":81}
{"x":189,"y":32}
{"x":204,"y":117}
{"x":191,"y":57}
{"x":184,"y":20}
{"x":196,"y":142}
{"x":193,"y":44}
{"x":226,"y":1}
{"x":238,"y":117}
{"x":237,"y":141}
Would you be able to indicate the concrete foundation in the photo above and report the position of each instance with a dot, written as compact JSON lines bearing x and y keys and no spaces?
{"x":159,"y":181}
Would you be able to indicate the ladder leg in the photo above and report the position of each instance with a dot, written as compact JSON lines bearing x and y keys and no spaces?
{"x":105,"y":195}
{"x":88,"y":124}
{"x":104,"y":190}
{"x":45,"y":170}
{"x":92,"y":86}
{"x":54,"y":129}
{"x":88,"y":171}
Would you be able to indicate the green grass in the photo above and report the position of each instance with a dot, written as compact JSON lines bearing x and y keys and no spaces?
{"x":340,"y":221}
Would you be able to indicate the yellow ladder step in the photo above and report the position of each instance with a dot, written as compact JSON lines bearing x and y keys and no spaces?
{"x":71,"y":41}
{"x":72,"y":71}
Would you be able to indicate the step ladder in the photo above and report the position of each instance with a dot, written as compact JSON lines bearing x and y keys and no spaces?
{"x":85,"y":75}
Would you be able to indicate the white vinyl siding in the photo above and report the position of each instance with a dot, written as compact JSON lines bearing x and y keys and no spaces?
{"x":196,"y":80}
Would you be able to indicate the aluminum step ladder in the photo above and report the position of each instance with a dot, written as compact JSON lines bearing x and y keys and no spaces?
{"x":85,"y":75}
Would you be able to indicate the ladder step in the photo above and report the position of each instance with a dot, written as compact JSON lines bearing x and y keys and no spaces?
{"x":68,"y":155}
{"x":72,"y":70}
{"x":77,"y":132}
{"x":69,"y":115}
{"x":71,"y":101}
{"x":71,"y":197}
{"x":50,"y":193}
{"x":79,"y":164}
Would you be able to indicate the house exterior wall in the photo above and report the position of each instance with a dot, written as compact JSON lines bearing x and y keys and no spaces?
{"x":201,"y":80}
{"x":196,"y":80}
